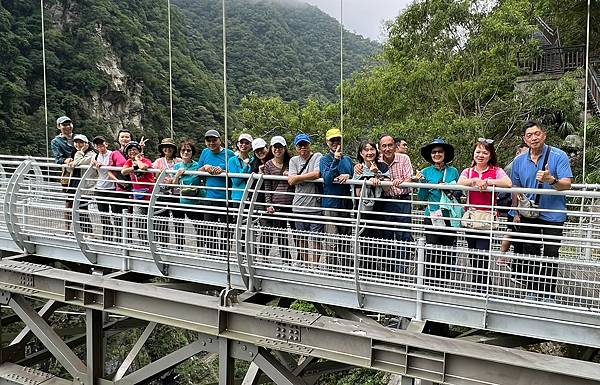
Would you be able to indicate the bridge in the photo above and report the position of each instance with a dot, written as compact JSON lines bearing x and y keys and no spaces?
{"x":232,"y":282}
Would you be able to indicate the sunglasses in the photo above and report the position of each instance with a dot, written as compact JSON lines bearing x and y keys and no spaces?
{"x":186,"y":150}
{"x":484,"y":140}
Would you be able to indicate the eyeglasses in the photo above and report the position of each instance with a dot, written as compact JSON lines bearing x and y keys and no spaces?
{"x":433,"y":152}
{"x":245,"y":142}
{"x":66,"y":123}
{"x":186,"y":150}
{"x":484,"y":140}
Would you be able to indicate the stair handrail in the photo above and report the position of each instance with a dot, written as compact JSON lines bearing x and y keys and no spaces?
{"x":594,"y":86}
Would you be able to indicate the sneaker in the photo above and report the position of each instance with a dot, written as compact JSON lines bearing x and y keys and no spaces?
{"x":298,"y":265}
{"x":549,"y":299}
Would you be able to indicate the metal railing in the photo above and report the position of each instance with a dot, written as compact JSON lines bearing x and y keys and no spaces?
{"x":554,"y":60}
{"x":372,"y":247}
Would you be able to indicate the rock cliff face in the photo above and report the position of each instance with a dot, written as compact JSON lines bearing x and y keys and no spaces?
{"x":120,"y":103}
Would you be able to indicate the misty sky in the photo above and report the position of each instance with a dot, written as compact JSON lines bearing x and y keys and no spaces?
{"x":364,"y":17}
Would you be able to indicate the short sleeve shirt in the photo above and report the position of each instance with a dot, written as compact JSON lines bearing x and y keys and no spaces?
{"x":305,"y":199}
{"x":483,"y":198}
{"x":524,"y":172}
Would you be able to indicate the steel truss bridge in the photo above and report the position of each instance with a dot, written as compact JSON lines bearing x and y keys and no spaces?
{"x":108,"y":263}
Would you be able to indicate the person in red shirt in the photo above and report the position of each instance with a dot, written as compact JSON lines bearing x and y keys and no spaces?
{"x":142,"y":182}
{"x":484,"y":172}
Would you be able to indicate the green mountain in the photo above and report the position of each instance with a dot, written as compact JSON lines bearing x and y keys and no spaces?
{"x":108,"y":68}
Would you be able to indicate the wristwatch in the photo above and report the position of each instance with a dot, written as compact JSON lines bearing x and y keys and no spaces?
{"x":555,"y":181}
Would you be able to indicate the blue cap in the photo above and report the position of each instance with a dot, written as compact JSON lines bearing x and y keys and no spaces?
{"x":301,"y":138}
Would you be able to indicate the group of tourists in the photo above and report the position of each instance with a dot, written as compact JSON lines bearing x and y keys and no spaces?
{"x":296,"y":201}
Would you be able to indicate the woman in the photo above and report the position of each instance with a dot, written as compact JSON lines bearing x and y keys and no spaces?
{"x":84,"y":155}
{"x":142,"y":183}
{"x":439,"y":262}
{"x":375,"y":171}
{"x":278,"y":198}
{"x":484,"y":172}
{"x":240,"y":164}
{"x":168,"y":194}
{"x":190,"y":189}
{"x":106,"y":197}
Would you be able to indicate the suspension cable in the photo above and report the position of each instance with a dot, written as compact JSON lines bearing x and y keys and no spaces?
{"x":585,"y":96}
{"x":226,"y":145}
{"x":170,"y":71}
{"x":45,"y":80}
{"x":342,"y":70}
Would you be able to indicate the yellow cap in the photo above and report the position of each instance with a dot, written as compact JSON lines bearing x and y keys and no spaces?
{"x":333,"y":133}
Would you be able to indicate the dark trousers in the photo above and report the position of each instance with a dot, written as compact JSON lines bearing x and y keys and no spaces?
{"x":445,"y":257}
{"x":541,"y":275}
{"x":166,"y":208}
{"x":393,"y":207}
{"x":479,"y":262}
{"x":106,"y":205}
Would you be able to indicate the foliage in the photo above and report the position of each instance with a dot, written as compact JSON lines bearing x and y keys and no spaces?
{"x":107,"y":64}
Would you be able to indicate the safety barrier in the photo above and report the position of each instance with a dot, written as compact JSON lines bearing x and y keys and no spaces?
{"x":380,"y":254}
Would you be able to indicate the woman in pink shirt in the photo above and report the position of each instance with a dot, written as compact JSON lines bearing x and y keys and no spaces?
{"x":484,"y":172}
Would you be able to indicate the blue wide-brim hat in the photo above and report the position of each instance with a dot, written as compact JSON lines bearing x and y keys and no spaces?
{"x":438,"y":142}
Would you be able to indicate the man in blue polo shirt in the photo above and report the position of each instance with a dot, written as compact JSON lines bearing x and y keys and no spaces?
{"x":336,"y":168}
{"x":213,"y":160}
{"x":532,"y":170}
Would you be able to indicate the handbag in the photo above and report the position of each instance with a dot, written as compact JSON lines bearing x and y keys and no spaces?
{"x":524,"y":204}
{"x":455,"y":210}
{"x":65,"y":177}
{"x":478,"y":219}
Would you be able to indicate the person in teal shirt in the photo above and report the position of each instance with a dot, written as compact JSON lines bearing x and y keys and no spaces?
{"x":190,"y":190}
{"x":240,"y":164}
{"x":213,"y":160}
{"x":438,"y":153}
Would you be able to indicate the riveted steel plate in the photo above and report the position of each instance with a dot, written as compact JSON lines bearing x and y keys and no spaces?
{"x":286,"y":346}
{"x":23,"y":267}
{"x":18,"y":289}
{"x":287,"y":332}
{"x":22,"y":375}
{"x":289,"y":315}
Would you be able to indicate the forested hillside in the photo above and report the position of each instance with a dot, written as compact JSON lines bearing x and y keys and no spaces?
{"x":107,"y":63}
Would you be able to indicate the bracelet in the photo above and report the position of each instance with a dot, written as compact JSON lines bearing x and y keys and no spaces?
{"x":135,"y":167}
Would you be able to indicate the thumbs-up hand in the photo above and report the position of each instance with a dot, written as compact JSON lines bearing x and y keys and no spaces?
{"x":544,"y":176}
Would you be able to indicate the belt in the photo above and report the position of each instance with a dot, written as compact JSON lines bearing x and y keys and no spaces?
{"x":401,"y":196}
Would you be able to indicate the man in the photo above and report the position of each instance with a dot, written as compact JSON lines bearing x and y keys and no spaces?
{"x":63,"y":150}
{"x":401,"y":146}
{"x":305,"y":167}
{"x":397,"y":202}
{"x":336,"y":168}
{"x":548,"y":168}
{"x":213,"y":160}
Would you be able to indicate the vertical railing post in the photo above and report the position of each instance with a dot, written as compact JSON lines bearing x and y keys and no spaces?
{"x":420,"y":278}
{"x":252,"y":285}
{"x":238,"y":230}
{"x":152,"y":243}
{"x":124,"y":249}
{"x":10,"y":206}
{"x":359,"y":296}
{"x":92,"y":257}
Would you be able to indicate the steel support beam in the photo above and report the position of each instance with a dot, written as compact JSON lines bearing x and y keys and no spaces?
{"x":275,"y":369}
{"x":49,"y":338}
{"x":13,"y":374}
{"x":401,"y":352}
{"x":226,"y":363}
{"x":45,"y":312}
{"x":135,"y":350}
{"x":94,"y":345}
{"x":252,"y":376}
{"x":161,"y":365}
